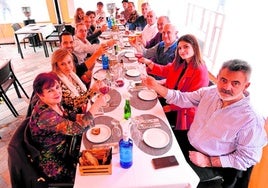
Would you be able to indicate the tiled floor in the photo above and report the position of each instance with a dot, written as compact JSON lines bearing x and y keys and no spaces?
{"x":25,"y":69}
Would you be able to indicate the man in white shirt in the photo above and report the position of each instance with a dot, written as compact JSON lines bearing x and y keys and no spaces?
{"x":100,"y":15}
{"x":81,"y":45}
{"x":150,"y":30}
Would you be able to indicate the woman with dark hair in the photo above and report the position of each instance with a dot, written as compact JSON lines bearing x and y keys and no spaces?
{"x":187,"y":72}
{"x":92,"y":31}
{"x":50,"y":126}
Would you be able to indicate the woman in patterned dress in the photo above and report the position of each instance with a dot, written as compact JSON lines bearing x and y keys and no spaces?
{"x":50,"y":126}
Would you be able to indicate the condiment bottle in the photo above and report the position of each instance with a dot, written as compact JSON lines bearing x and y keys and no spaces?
{"x":125,"y":151}
{"x":127,"y":110}
{"x":105,"y":62}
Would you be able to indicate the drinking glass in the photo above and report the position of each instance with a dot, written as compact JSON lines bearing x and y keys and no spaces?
{"x":142,"y":70}
{"x":116,"y":129}
{"x":104,"y":88}
{"x":132,"y":38}
{"x":138,"y":55}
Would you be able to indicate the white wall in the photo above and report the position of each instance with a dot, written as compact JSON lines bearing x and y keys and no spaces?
{"x":245,"y":37}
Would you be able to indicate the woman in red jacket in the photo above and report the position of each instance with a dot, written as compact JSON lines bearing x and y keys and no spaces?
{"x":187,"y":72}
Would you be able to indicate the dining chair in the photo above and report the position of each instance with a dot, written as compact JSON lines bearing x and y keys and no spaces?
{"x":21,"y":156}
{"x":215,"y":182}
{"x":54,"y":37}
{"x":30,"y":37}
{"x":7,"y":79}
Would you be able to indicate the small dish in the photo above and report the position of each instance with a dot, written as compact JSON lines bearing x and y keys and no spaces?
{"x":129,"y":55}
{"x":106,"y":36}
{"x":133,"y":72}
{"x":107,"y":97}
{"x":147,"y":95}
{"x":156,"y":138}
{"x":127,"y":44}
{"x":100,"y":74}
{"x":105,"y":134}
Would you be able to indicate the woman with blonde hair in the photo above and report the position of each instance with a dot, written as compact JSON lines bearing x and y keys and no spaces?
{"x":75,"y":95}
{"x":79,"y":15}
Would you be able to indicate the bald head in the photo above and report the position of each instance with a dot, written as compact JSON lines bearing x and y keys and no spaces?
{"x":169,"y":34}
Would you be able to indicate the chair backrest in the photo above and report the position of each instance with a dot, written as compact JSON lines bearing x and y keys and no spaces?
{"x":29,"y":21}
{"x":22,"y":172}
{"x":16,"y":26}
{"x":5,"y":72}
{"x":60,"y":28}
{"x":21,"y":155}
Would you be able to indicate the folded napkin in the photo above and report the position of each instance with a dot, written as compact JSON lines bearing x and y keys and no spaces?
{"x":149,"y":123}
{"x":113,"y":145}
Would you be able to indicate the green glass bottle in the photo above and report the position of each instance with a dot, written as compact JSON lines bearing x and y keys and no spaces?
{"x":127,"y":110}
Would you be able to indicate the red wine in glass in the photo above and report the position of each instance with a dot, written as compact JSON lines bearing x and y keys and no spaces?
{"x":119,"y":83}
{"x":138,"y":55}
{"x":105,"y":89}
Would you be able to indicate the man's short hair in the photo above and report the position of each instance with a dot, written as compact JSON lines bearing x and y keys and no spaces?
{"x":125,"y":1}
{"x":100,"y":3}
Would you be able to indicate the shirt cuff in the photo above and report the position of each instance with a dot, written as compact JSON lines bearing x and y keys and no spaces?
{"x":169,"y":94}
{"x":225,"y":162}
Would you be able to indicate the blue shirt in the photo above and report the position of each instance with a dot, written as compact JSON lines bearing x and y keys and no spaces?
{"x":160,"y":53}
{"x":234,"y":133}
{"x":139,"y":22}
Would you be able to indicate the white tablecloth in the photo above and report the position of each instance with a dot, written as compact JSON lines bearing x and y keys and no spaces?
{"x":142,"y":172}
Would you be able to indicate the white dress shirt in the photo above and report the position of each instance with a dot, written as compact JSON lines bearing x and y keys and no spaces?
{"x":81,"y":49}
{"x":149,"y":32}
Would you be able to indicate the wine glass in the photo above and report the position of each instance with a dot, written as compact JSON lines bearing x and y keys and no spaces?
{"x":142,"y":70}
{"x":138,"y":54}
{"x":116,"y":129}
{"x":104,"y":88}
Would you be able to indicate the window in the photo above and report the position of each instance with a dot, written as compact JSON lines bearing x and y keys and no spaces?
{"x":92,"y":5}
{"x":11,"y":10}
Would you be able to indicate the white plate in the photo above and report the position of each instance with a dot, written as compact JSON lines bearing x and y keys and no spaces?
{"x":128,"y":55}
{"x":133,"y":72}
{"x":127,"y":44}
{"x":100,"y":75}
{"x":156,"y":138}
{"x":105,"y":134}
{"x":106,"y":36}
{"x":147,"y":94}
{"x":107,"y":96}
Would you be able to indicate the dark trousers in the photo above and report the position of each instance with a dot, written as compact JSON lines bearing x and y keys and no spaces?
{"x":232,"y":178}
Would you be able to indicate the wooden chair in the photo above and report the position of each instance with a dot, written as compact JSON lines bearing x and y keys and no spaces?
{"x":7,"y":79}
{"x":258,"y":178}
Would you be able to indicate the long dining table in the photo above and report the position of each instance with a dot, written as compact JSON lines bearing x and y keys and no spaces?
{"x":142,"y":173}
{"x":43,"y":30}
